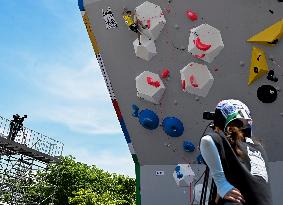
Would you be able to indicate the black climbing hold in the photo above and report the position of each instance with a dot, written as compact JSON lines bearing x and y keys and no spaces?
{"x":271,"y":11}
{"x":267,"y":93}
{"x":256,"y":69}
{"x":271,"y":76}
{"x":258,"y":57}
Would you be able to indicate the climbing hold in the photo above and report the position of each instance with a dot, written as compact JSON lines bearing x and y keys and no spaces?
{"x":200,"y":45}
{"x":192,"y":15}
{"x":149,"y":11}
{"x":183,"y":175}
{"x":173,"y":127}
{"x":188,"y":146}
{"x":205,"y":42}
{"x":281,"y":114}
{"x":196,"y":79}
{"x":175,"y":102}
{"x":165,"y":73}
{"x":135,"y":110}
{"x":271,"y":77}
{"x":270,"y":35}
{"x":152,"y":83}
{"x":267,"y":93}
{"x":150,"y":87}
{"x":176,"y":26}
{"x":148,"y":23}
{"x":197,"y":98}
{"x":148,"y":119}
{"x":146,"y":50}
{"x":258,"y":65}
{"x":200,"y":159}
{"x":242,"y":63}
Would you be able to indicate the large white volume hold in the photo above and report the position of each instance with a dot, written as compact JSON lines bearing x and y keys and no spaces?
{"x":150,"y":87}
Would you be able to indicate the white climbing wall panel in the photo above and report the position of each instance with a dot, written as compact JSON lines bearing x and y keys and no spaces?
{"x":165,"y":126}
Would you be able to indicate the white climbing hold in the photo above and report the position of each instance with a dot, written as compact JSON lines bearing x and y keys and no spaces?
{"x":149,"y":13}
{"x":183,"y":175}
{"x":196,"y":79}
{"x":205,"y":42}
{"x":150,"y":87}
{"x":146,"y":50}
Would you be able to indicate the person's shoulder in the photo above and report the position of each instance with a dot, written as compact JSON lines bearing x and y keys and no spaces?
{"x":213,"y":135}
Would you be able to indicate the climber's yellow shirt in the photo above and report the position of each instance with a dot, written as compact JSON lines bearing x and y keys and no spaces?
{"x":128,"y":20}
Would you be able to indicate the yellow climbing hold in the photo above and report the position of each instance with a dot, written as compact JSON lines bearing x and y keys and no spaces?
{"x":258,"y":65}
{"x":270,"y":35}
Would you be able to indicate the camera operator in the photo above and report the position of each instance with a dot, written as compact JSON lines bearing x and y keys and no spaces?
{"x":237,"y":163}
{"x":16,"y":125}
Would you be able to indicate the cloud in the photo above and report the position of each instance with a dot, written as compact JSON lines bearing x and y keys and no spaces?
{"x":106,"y":160}
{"x":75,"y":96}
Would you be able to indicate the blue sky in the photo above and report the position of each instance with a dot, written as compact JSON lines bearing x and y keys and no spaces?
{"x":49,"y":72}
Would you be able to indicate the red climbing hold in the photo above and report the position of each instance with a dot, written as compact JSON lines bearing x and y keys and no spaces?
{"x":148,"y":24}
{"x":200,"y":45}
{"x":199,"y":55}
{"x":153,"y":83}
{"x":183,"y":84}
{"x":193,"y":81}
{"x":165,"y":73}
{"x":192,"y":15}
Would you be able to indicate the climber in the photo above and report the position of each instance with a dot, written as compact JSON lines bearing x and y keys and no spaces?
{"x":133,"y":23}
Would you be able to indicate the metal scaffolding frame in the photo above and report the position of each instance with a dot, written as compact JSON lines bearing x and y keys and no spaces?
{"x":21,"y":156}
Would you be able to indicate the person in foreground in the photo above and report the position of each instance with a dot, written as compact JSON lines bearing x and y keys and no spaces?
{"x":238,"y":164}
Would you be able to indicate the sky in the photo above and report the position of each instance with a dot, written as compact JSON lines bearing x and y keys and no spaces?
{"x":48,"y":71}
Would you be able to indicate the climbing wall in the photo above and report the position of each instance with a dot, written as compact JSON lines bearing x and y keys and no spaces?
{"x":191,"y":55}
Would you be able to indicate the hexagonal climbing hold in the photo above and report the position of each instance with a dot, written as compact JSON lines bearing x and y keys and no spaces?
{"x":196,"y":79}
{"x":151,"y":14}
{"x":146,"y":50}
{"x":183,"y":175}
{"x":150,"y":87}
{"x":205,"y":42}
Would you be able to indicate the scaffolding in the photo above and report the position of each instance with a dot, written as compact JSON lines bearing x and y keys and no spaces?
{"x":23,"y":152}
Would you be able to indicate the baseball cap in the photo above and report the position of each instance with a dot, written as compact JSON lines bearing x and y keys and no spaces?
{"x":235,"y":109}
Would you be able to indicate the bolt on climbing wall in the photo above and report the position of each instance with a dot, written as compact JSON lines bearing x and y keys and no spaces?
{"x":166,"y":62}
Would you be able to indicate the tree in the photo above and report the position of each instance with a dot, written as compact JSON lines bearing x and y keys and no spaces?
{"x":70,"y":183}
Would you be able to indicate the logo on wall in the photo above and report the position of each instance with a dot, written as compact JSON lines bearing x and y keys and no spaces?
{"x":109,"y":19}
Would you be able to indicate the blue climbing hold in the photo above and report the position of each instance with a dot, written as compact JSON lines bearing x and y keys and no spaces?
{"x":200,"y":160}
{"x":178,"y":168}
{"x":179,"y":175}
{"x":135,"y":110}
{"x":148,"y":119}
{"x":188,"y":146}
{"x":173,"y":127}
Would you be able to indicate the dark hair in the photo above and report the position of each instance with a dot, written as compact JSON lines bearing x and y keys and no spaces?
{"x":235,"y":135}
{"x":128,"y":12}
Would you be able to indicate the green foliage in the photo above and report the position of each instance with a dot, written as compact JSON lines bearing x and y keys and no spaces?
{"x":75,"y":183}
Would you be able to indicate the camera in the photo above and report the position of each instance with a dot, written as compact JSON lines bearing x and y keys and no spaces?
{"x":208,"y":115}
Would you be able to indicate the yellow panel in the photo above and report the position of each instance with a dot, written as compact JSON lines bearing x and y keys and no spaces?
{"x":269,"y":35}
{"x":91,"y":34}
{"x":258,"y":65}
